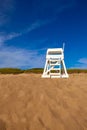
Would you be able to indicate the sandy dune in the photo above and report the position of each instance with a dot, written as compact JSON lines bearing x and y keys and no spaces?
{"x":28,"y":102}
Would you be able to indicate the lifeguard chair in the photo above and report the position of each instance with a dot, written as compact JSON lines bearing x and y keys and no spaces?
{"x":55,"y":66}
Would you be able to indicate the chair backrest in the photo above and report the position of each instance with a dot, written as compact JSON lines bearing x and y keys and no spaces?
{"x":55,"y":53}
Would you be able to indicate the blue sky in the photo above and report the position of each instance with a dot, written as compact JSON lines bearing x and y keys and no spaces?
{"x":29,"y":27}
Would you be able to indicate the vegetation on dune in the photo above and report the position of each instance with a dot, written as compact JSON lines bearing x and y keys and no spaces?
{"x":70,"y":71}
{"x":35,"y":70}
{"x":10,"y":71}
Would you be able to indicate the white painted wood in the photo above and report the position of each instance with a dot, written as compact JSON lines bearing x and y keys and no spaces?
{"x":55,"y":62}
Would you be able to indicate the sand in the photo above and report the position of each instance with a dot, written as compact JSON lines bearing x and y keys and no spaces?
{"x":28,"y":102}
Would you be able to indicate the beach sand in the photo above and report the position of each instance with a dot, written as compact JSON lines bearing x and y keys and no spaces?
{"x":28,"y":102}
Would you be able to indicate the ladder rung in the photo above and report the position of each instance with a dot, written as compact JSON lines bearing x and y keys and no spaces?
{"x":56,"y":69}
{"x":54,"y":64}
{"x":54,"y":60}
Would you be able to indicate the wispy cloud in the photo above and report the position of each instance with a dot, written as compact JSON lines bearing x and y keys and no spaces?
{"x":35,"y":25}
{"x":21,"y":58}
{"x":5,"y":37}
{"x":65,"y":5}
{"x":81,"y":63}
{"x":38,"y":8}
{"x":51,"y":7}
{"x":6,"y":8}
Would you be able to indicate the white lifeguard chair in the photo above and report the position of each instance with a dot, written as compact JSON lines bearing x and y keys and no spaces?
{"x":55,"y":66}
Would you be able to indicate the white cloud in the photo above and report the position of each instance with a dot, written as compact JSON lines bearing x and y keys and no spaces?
{"x":21,"y":58}
{"x":5,"y":37}
{"x":33,"y":26}
{"x":36,"y":25}
{"x":81,"y":63}
{"x":18,"y":57}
